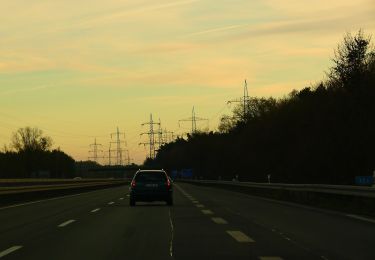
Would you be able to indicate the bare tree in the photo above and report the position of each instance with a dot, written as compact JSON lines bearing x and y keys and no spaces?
{"x":30,"y":139}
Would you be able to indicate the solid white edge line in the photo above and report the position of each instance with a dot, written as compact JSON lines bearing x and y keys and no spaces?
{"x":9,"y":250}
{"x":38,"y":201}
{"x":95,"y":210}
{"x":360,"y":218}
{"x":172,"y":235}
{"x":297,"y":205}
{"x":56,"y":198}
{"x":66,"y":223}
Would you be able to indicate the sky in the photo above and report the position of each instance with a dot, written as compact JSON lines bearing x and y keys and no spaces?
{"x":80,"y":69}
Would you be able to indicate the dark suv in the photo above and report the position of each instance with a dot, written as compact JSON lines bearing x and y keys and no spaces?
{"x":151,"y":185}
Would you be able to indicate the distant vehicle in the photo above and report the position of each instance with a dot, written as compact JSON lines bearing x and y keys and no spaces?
{"x":151,"y":185}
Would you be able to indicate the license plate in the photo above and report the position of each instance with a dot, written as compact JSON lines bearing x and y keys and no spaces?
{"x":151,"y":185}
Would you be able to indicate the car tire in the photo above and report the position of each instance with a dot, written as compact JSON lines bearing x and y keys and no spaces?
{"x":132,"y":202}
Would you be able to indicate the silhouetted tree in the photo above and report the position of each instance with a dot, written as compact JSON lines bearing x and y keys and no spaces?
{"x":30,"y":139}
{"x":319,"y":134}
{"x":352,"y":59}
{"x":32,"y":157}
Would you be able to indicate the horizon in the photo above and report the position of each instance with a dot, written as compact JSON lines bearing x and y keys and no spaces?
{"x":78,"y":71}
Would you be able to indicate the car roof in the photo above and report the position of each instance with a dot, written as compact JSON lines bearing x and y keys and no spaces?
{"x":150,"y":171}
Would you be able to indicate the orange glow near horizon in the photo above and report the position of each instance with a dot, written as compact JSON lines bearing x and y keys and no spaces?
{"x":79,"y":70}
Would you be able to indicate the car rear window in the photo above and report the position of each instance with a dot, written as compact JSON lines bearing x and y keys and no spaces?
{"x":150,"y":176}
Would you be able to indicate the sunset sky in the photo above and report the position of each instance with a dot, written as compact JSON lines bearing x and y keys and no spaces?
{"x":78,"y":69}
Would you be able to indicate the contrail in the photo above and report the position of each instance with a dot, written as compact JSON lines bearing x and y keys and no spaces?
{"x":218,"y":29}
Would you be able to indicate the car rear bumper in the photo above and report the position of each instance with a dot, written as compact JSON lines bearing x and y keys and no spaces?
{"x":150,"y":196}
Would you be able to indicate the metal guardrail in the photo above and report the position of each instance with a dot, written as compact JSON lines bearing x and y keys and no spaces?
{"x":20,"y":194}
{"x":59,"y":185}
{"x":19,"y":189}
{"x":319,"y":188}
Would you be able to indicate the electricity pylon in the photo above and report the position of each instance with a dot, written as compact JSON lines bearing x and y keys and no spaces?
{"x":245,"y":100}
{"x":193,"y":119}
{"x":118,"y":151}
{"x":127,"y":158}
{"x":167,"y":136}
{"x":95,"y":151}
{"x":151,"y":136}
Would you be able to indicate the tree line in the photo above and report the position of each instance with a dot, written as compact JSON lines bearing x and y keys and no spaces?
{"x":320,"y":134}
{"x":30,"y":156}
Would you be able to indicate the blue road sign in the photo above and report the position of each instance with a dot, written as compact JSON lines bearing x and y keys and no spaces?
{"x":364,"y":180}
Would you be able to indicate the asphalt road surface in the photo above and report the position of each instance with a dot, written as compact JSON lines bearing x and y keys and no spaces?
{"x":205,"y":223}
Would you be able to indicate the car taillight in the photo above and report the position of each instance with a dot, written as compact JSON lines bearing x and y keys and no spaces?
{"x":168,"y":183}
{"x":132,"y":183}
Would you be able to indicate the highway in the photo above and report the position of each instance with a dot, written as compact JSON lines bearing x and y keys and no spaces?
{"x":205,"y":223}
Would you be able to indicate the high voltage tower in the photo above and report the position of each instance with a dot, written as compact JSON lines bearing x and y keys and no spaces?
{"x":193,"y":119}
{"x":151,"y":136}
{"x":164,"y":136}
{"x":245,"y":100}
{"x":160,"y":135}
{"x":127,"y":158}
{"x":167,"y":136}
{"x":95,"y":151}
{"x":117,"y":151}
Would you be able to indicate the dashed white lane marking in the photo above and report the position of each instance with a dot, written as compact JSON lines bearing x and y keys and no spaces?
{"x":121,"y":198}
{"x":195,"y":201}
{"x":219,"y":220}
{"x":361,"y":218}
{"x":95,"y":210}
{"x":127,"y":195}
{"x":207,"y":212}
{"x":66,"y":223}
{"x":199,"y":206}
{"x":9,"y":250}
{"x":110,"y":203}
{"x":270,"y":258}
{"x":239,"y":236}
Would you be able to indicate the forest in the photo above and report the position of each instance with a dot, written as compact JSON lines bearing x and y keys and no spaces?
{"x":319,"y":134}
{"x":30,"y":156}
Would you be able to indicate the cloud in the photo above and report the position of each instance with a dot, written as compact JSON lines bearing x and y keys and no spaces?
{"x":113,"y":16}
{"x":165,"y":48}
{"x":18,"y":90}
{"x":21,"y":60}
{"x":329,"y":20}
{"x":279,"y":89}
